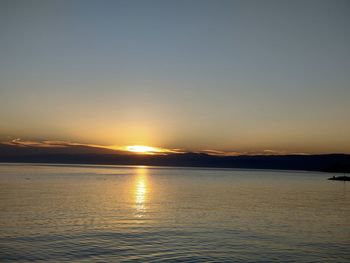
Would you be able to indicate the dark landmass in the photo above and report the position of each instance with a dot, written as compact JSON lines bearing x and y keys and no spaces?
{"x":340,"y":178}
{"x":90,"y":155}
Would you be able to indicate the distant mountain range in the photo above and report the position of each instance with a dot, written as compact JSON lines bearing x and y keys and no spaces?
{"x":81,"y":154}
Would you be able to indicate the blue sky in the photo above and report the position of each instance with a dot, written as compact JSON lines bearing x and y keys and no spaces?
{"x":226,"y":75}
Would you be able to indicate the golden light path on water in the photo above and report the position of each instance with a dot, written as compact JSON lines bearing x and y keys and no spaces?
{"x":141,"y":190}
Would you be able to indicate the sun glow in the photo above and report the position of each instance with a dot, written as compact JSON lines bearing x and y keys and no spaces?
{"x":143,"y":149}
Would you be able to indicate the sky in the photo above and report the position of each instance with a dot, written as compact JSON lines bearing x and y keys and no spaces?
{"x":241,"y":76}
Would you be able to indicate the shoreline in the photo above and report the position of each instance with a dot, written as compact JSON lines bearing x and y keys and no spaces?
{"x":110,"y":166}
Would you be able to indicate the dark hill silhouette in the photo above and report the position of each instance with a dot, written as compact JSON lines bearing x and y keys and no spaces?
{"x":340,"y":178}
{"x":95,"y":155}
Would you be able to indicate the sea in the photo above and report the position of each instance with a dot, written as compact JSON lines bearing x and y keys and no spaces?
{"x":96,"y":213}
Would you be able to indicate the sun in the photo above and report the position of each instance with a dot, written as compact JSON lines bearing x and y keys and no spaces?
{"x":143,"y":149}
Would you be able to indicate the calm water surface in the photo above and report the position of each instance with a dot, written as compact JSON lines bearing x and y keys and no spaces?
{"x":147,"y":214}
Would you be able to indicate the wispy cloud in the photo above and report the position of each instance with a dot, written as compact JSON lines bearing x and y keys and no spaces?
{"x":220,"y":153}
{"x":27,"y":143}
{"x":18,"y":142}
{"x":237,"y":153}
{"x":133,"y":149}
{"x":49,"y":144}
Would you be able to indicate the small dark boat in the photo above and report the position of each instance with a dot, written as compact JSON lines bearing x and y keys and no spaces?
{"x":340,"y":178}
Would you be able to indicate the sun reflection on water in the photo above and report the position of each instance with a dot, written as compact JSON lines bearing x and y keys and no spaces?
{"x":141,"y":190}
